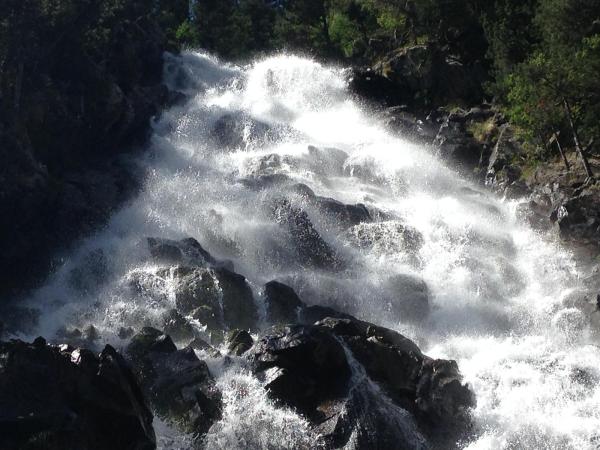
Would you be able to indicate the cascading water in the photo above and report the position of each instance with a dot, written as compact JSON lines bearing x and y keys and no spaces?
{"x":498,"y":292}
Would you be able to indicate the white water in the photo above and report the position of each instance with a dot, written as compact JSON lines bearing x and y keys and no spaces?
{"x":498,"y":290}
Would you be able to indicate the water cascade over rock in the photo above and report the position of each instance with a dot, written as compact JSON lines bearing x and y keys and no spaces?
{"x":295,"y":274}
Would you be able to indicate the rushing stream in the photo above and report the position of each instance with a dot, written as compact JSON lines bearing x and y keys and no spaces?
{"x":499,"y":293}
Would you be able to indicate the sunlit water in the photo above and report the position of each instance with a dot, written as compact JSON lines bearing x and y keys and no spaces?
{"x":497,"y":289}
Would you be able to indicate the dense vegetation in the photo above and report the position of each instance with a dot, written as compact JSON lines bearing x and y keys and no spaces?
{"x":542,"y":57}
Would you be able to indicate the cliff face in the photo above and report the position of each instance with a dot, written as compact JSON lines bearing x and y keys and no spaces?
{"x":78,"y":102}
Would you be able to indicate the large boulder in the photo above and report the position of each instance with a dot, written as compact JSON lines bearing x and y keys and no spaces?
{"x":184,"y":251}
{"x":58,"y":397}
{"x":311,"y":249}
{"x":178,"y":385}
{"x":354,"y":380}
{"x":217,"y":297}
{"x":282,"y":303}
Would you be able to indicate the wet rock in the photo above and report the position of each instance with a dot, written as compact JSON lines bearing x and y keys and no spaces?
{"x":457,"y":145}
{"x":203,"y":346}
{"x":195,"y":287}
{"x":125,"y":332}
{"x":178,"y":384}
{"x":400,"y":120}
{"x":240,"y":342}
{"x":178,"y":327}
{"x":501,"y":171}
{"x":77,"y":338}
{"x":389,"y":237}
{"x":311,"y":314}
{"x":64,"y":398}
{"x":311,"y":248}
{"x":409,"y":297}
{"x":304,"y":367}
{"x":235,"y":130}
{"x":353,"y":379}
{"x":282,"y":303}
{"x":217,"y":297}
{"x":429,"y":388}
{"x":328,"y":161}
{"x":344,"y":216}
{"x":184,"y":251}
{"x":261,"y":182}
{"x":578,"y":218}
{"x":239,"y":308}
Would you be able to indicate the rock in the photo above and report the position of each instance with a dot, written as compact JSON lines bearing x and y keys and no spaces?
{"x":457,"y":145}
{"x":178,"y":327}
{"x":185,"y":251}
{"x":409,"y":297}
{"x":409,"y":125}
{"x":178,"y":384}
{"x":389,"y":237}
{"x":423,"y":75}
{"x":429,"y":388}
{"x":304,"y":366}
{"x":217,"y":297}
{"x":240,"y":342}
{"x":370,"y":84}
{"x":195,"y":287}
{"x":239,"y":308}
{"x":64,"y":398}
{"x":311,"y":314}
{"x":311,"y":248}
{"x":344,"y":216}
{"x":578,"y":218}
{"x":235,"y":130}
{"x":354,"y":380}
{"x":501,"y":171}
{"x":282,"y":303}
{"x":201,"y":345}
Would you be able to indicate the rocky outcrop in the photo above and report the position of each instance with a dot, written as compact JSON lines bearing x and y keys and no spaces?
{"x":352,"y":379}
{"x":421,"y":76}
{"x":59,"y":397}
{"x":66,"y":136}
{"x":311,"y":249}
{"x":178,"y":385}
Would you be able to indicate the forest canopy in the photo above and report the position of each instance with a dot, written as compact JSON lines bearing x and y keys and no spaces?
{"x":541,"y":57}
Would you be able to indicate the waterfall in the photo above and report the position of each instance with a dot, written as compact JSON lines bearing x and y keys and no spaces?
{"x":493,"y":294}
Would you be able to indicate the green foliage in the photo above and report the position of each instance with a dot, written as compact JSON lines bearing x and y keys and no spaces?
{"x":561,"y":68}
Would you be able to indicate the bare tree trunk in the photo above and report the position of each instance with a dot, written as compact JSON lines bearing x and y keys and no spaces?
{"x":576,"y":139}
{"x":560,"y":150}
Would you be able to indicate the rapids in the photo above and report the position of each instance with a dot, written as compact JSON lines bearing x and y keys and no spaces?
{"x":499,"y":291}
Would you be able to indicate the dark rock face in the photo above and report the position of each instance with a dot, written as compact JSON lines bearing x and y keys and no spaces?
{"x":578,"y":218}
{"x":282,"y":303}
{"x":64,"y":146}
{"x":304,"y":365}
{"x":217,"y":297}
{"x":185,"y":251}
{"x":501,"y":173}
{"x":240,"y":342}
{"x":178,"y":384}
{"x":62,"y":398}
{"x":311,"y":248}
{"x":352,"y":378}
{"x":409,"y":297}
{"x":421,"y":75}
{"x":232,"y":131}
{"x":455,"y":144}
